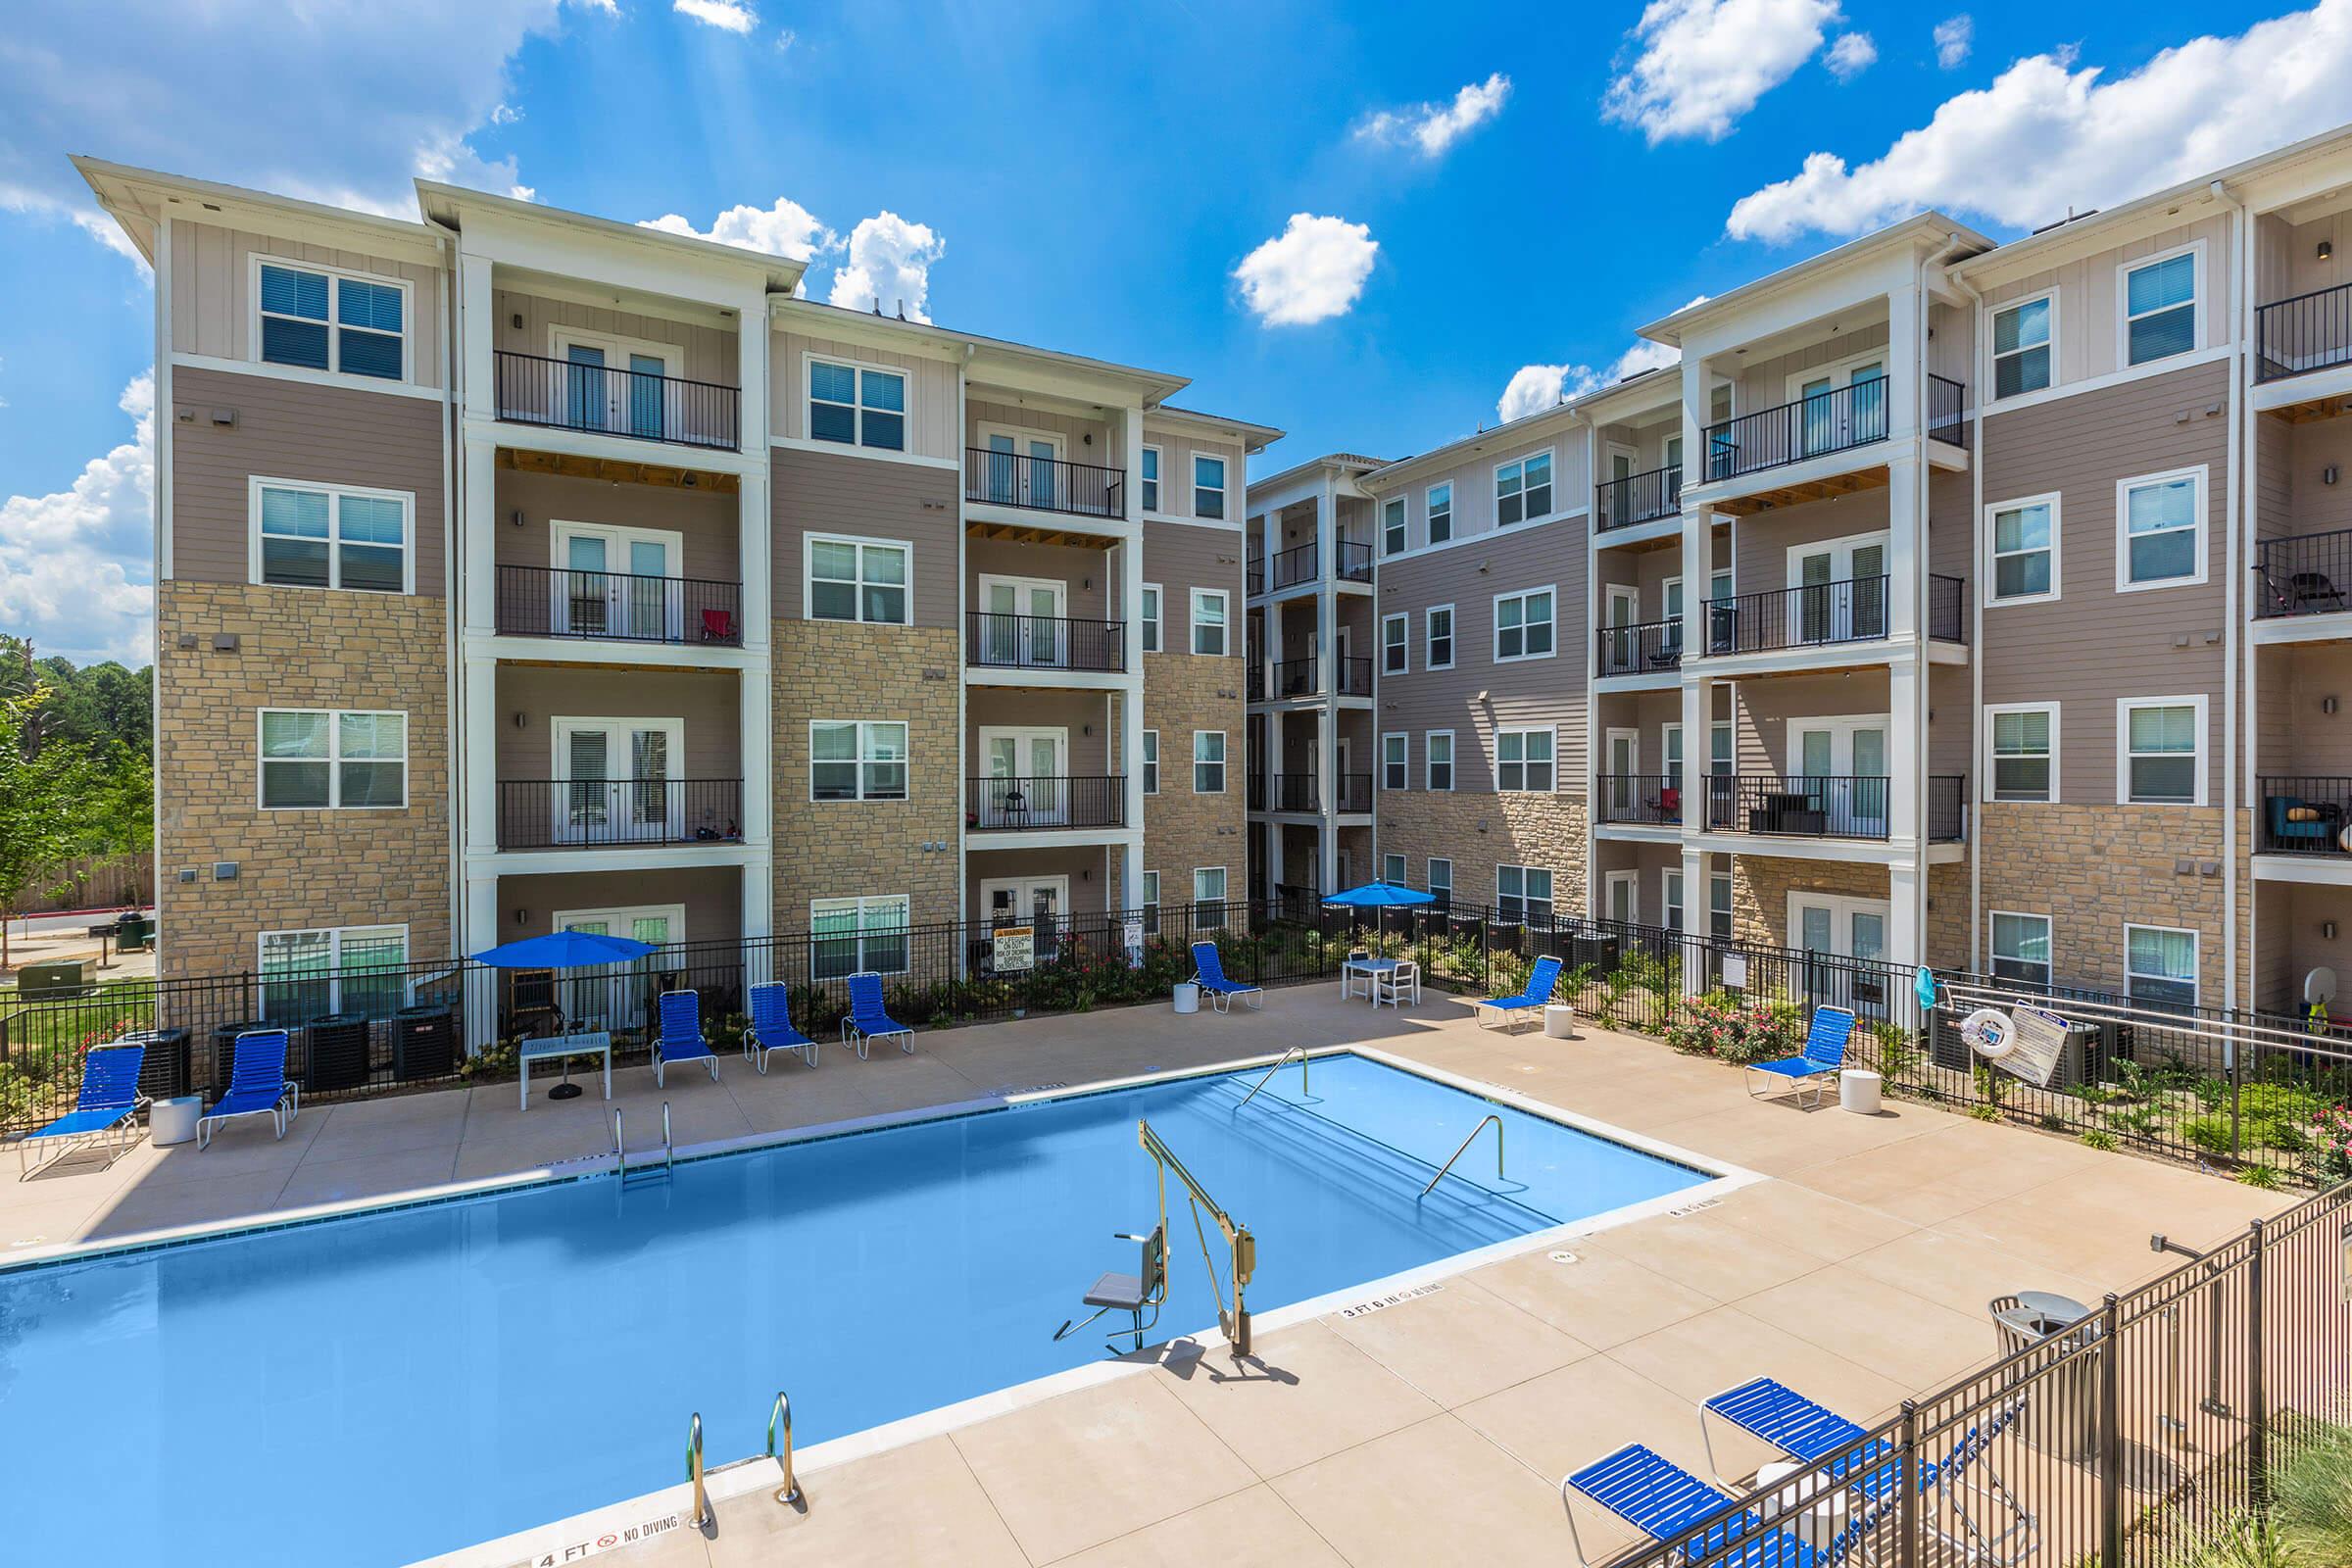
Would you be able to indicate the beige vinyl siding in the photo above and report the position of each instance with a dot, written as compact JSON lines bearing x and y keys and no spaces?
{"x":710,"y":351}
{"x":1473,"y":479}
{"x":1085,"y":573}
{"x":2293,"y":496}
{"x":710,"y":895}
{"x":820,"y":492}
{"x":2296,"y":736}
{"x":705,"y":701}
{"x":931,"y":391}
{"x":1182,"y":556}
{"x":1951,"y":532}
{"x":1176,"y":451}
{"x":2287,"y":259}
{"x":292,"y":430}
{"x":2086,"y":289}
{"x":2094,"y":645}
{"x":212,"y":292}
{"x":1086,"y":868}
{"x":707,"y":521}
{"x":1092,"y":442}
{"x":1763,"y":541}
{"x":1951,"y":346}
{"x":1951,"y":743}
{"x":994,"y":708}
{"x":1767,"y":707}
{"x":1765,"y":384}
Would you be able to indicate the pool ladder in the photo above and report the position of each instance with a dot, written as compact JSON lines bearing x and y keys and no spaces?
{"x":1465,"y":1148}
{"x":621,"y":1151}
{"x":1281,"y":1063}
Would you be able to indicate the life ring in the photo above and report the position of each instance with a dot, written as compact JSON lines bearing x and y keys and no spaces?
{"x":1989,"y":1032}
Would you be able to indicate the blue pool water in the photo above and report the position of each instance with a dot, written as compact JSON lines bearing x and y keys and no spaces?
{"x":384,"y":1387}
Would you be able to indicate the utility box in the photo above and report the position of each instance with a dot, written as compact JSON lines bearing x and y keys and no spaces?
{"x":37,"y":982}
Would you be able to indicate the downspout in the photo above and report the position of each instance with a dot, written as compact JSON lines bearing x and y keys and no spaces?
{"x":452,"y":600}
{"x":1976,"y":628}
{"x":2233,"y":629}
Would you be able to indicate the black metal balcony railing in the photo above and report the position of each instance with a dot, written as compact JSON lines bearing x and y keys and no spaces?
{"x":1257,"y":791}
{"x":1297,"y":792}
{"x":1805,"y":616}
{"x":1948,"y":608}
{"x":2310,"y":574}
{"x":1656,"y":799}
{"x":1355,"y":562}
{"x":617,"y":607}
{"x":1355,"y":677}
{"x":1356,"y":793}
{"x":1257,"y":683}
{"x":1298,"y":677}
{"x":1821,"y":805}
{"x":1042,"y":484}
{"x":609,"y":813}
{"x":1947,"y":807}
{"x":2308,"y":332}
{"x":533,"y":389}
{"x":1295,"y":565}
{"x":1255,"y":577}
{"x":1015,"y":805}
{"x":1640,"y":497}
{"x":1639,"y":650}
{"x":1001,"y":641}
{"x":1947,"y":410}
{"x":1837,"y":420}
{"x":2304,"y":814}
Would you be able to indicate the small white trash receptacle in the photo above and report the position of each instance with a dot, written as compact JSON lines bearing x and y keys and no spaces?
{"x":1858,"y":1090}
{"x":1559,"y":1021}
{"x":173,"y":1120}
{"x":1188,"y":996}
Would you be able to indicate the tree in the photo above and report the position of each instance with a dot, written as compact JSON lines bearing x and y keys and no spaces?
{"x":45,"y":790}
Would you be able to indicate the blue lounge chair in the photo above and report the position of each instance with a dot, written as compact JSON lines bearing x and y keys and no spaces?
{"x":1801,"y":1428}
{"x":1663,"y":1502}
{"x":868,"y":1020}
{"x":1541,"y":981}
{"x":1208,"y":973}
{"x":681,"y":1037}
{"x":258,"y":1086}
{"x":1815,"y":1070}
{"x":106,"y":1110}
{"x":1882,"y":1492}
{"x":772,"y":1027}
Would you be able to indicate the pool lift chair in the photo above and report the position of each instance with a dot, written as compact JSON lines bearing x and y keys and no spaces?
{"x":1135,"y":1294}
{"x":1139,"y":1293}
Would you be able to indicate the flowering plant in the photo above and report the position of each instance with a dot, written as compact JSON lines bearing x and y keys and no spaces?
{"x":2331,"y":1141}
{"x":1732,"y":1029}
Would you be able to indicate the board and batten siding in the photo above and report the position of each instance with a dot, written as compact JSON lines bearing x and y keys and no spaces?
{"x":1473,"y":479}
{"x":708,"y":893}
{"x":1086,"y":573}
{"x":293,"y":431}
{"x":709,"y":353}
{"x":1176,"y":451}
{"x":931,"y":391}
{"x":2089,"y":314}
{"x":2093,"y":645}
{"x":819,"y":492}
{"x":212,"y":292}
{"x":1094,"y":443}
{"x":1183,"y":557}
{"x":1765,"y":384}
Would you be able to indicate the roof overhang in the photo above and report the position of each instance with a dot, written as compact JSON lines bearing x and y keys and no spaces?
{"x":1018,"y":365}
{"x":1253,"y":438}
{"x":140,"y":199}
{"x":1926,"y":233}
{"x":449,"y":204}
{"x":1496,"y":440}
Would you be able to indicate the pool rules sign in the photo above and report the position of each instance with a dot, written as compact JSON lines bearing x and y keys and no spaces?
{"x":1015,"y":949}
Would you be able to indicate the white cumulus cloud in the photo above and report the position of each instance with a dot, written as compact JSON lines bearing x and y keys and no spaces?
{"x":1851,"y":55}
{"x":1312,"y":271}
{"x":1954,"y":37}
{"x":1533,"y":388}
{"x":725,"y":15}
{"x":73,"y":564}
{"x":1702,"y":64}
{"x":2048,"y":134}
{"x":889,"y":265}
{"x":785,"y":229}
{"x":1431,"y":128}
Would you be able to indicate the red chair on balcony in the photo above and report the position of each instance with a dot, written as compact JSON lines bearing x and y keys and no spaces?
{"x":718,"y":625}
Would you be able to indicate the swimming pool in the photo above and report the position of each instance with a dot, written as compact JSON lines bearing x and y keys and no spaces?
{"x":384,"y":1386}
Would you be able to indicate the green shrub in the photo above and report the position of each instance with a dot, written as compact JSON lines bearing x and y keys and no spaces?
{"x":2262,"y":1176}
{"x":2097,"y":1138}
{"x":1729,"y":1029}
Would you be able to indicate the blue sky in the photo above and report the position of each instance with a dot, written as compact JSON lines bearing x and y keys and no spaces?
{"x":1507,"y":194}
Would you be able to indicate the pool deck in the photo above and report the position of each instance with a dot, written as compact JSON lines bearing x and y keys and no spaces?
{"x":1859,"y":1271}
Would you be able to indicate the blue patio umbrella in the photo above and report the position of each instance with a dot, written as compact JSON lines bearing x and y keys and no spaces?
{"x":564,"y":950}
{"x":1380,"y":896}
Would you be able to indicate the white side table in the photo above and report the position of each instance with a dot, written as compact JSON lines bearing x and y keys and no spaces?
{"x":1559,"y":1020}
{"x":1858,"y":1090}
{"x":1188,"y":996}
{"x":1811,"y":1507}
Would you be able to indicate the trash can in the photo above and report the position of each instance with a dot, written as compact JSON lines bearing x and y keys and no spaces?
{"x":173,"y":1119}
{"x":1188,"y":996}
{"x":336,"y":1053}
{"x":2064,"y":1419}
{"x":132,"y":933}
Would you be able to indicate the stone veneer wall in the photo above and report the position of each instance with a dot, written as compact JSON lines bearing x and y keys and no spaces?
{"x":839,"y":849}
{"x":1761,"y":885}
{"x":1947,"y":916}
{"x":1184,"y":831}
{"x":2091,"y":868}
{"x":296,"y":870}
{"x":1478,"y":832}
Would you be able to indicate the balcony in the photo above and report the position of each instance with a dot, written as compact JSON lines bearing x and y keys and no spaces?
{"x":618,"y":813}
{"x":1356,"y":793}
{"x":993,"y":640}
{"x":1815,"y":807}
{"x":1650,"y":800}
{"x":1256,"y":788}
{"x":1042,"y":484}
{"x":1650,"y":646}
{"x":1837,"y":421}
{"x":1253,"y":579}
{"x":1297,"y":792}
{"x":2310,"y":574}
{"x":1640,"y":498}
{"x":1298,"y":564}
{"x":2308,"y":332}
{"x":2304,"y":815}
{"x":1021,"y":804}
{"x":1947,"y":410}
{"x":1948,"y":608}
{"x":1256,"y":683}
{"x":617,"y":607}
{"x":560,"y":394}
{"x":1811,"y":616}
{"x":1303,"y":678}
{"x":1947,"y":808}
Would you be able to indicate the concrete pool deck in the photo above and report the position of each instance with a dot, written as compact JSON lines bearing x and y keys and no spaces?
{"x":1858,"y":1272}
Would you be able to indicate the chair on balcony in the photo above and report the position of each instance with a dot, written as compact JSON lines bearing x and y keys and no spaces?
{"x":2296,"y":824}
{"x":718,"y":625}
{"x":681,"y":1036}
{"x":773,"y":1028}
{"x":2301,"y":593}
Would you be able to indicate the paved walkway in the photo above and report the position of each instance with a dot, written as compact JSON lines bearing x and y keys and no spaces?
{"x":1859,"y":1273}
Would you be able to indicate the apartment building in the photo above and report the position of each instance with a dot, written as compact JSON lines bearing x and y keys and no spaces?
{"x":518,"y":569}
{"x":1981,"y":604}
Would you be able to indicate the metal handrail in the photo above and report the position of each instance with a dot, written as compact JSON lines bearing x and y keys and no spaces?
{"x":621,"y":1150}
{"x":779,"y":1416}
{"x":1466,"y":1142}
{"x":694,"y":1472}
{"x":1242,"y":1245}
{"x":1279,"y":1063}
{"x":670,"y":1152}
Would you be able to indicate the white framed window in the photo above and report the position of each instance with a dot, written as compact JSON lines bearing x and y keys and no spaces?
{"x":2021,"y":538}
{"x":2160,"y":530}
{"x":2160,"y":966}
{"x":1439,"y":652}
{"x":2160,"y":750}
{"x":1151,"y":477}
{"x":1148,"y":901}
{"x":350,"y":968}
{"x":2023,"y":343}
{"x":1670,"y":896}
{"x":871,"y":580}
{"x":1720,"y":759}
{"x":1437,"y":755}
{"x":329,"y":536}
{"x":1523,"y":760}
{"x":1719,"y":906}
{"x":1523,"y":625}
{"x":1151,"y":762}
{"x":1523,"y":489}
{"x":1209,"y":894}
{"x":1391,"y":526}
{"x":856,"y":759}
{"x":1437,"y":501}
{"x":856,"y":404}
{"x":1396,"y":762}
{"x":1392,"y":869}
{"x":1396,"y":656}
{"x":1621,"y":897}
{"x":2021,"y":947}
{"x":333,"y":760}
{"x":1441,"y":881}
{"x":1208,"y":486}
{"x":1209,"y":605}
{"x":322,"y":318}
{"x":1523,"y":893}
{"x":2160,"y":304}
{"x":1208,"y":761}
{"x":852,"y":935}
{"x":1151,"y":617}
{"x":2021,"y":742}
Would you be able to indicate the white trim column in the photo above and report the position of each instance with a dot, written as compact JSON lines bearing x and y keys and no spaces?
{"x":1906,"y":914}
{"x":481,"y":993}
{"x":1696,"y":893}
{"x":479,"y":744}
{"x":1906,"y":751}
{"x":1906,"y":548}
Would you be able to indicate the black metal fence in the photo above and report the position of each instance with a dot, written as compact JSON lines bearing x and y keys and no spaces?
{"x":1641,"y":649}
{"x":1640,"y":798}
{"x":1297,"y":792}
{"x":1355,"y":677}
{"x":1295,"y":565}
{"x":1042,"y":484}
{"x":1356,"y":793}
{"x":2304,"y":814}
{"x":533,"y":389}
{"x":1947,"y":807}
{"x":1016,"y":805}
{"x":2308,"y":332}
{"x":1948,"y":608}
{"x":1355,"y":562}
{"x":1805,"y":806}
{"x":2309,"y":575}
{"x":1298,"y":677}
{"x":1836,"y":420}
{"x":541,"y":813}
{"x":1637,"y":497}
{"x":1003,"y":641}
{"x":617,"y":607}
{"x":1808,"y":615}
{"x":1947,"y":410}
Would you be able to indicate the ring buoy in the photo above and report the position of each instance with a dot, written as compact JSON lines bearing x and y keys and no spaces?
{"x":1989,"y":1033}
